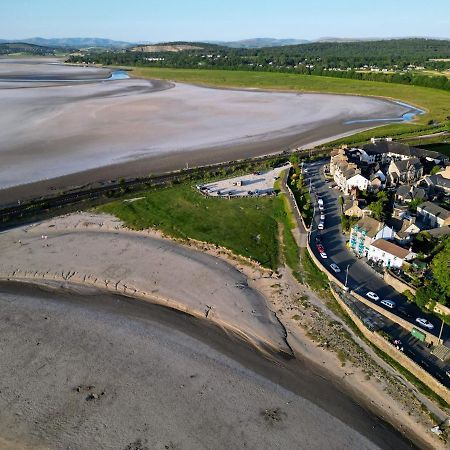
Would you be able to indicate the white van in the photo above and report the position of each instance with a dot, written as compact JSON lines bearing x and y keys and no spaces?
{"x":388,"y":303}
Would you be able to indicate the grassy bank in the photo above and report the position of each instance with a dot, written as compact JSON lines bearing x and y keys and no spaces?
{"x":435,"y":102}
{"x":247,"y":226}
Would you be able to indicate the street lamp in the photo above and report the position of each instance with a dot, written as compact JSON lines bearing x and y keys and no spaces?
{"x":440,"y":333}
{"x":312,"y":223}
{"x":346,"y":276}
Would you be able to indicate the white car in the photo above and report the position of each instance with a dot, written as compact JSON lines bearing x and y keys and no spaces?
{"x":322,"y":217}
{"x":372,"y":296}
{"x":335,"y":268}
{"x":320,"y":226}
{"x":323,"y":255}
{"x":424,"y":323}
{"x":388,"y":303}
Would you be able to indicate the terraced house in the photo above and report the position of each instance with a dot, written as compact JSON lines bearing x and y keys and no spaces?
{"x":366,"y":231}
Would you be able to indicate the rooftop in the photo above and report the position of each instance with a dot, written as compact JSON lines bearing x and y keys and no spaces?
{"x":438,"y":180}
{"x":372,"y":226}
{"x":391,"y":248}
{"x":435,"y":210}
{"x":400,"y":149}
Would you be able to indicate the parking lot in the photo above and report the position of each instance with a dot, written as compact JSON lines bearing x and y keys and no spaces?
{"x":255,"y":184}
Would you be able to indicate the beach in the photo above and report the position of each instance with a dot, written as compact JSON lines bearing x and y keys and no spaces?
{"x":159,"y":378}
{"x":82,"y":300}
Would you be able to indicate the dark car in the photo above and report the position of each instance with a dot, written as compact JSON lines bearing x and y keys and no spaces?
{"x":404,"y":312}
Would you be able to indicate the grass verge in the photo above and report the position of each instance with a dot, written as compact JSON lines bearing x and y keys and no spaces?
{"x":247,"y":226}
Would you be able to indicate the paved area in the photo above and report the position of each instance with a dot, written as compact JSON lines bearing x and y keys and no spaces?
{"x":255,"y":184}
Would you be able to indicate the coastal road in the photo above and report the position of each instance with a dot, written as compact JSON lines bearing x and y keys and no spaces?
{"x":361,"y":278}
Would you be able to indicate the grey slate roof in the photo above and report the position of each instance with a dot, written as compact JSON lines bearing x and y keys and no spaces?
{"x":435,"y":210}
{"x":411,"y":192}
{"x":401,"y":149}
{"x":438,"y":180}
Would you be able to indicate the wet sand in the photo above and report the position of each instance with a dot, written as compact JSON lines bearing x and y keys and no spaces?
{"x":168,"y":381}
{"x":96,"y":250}
{"x":100,"y":130}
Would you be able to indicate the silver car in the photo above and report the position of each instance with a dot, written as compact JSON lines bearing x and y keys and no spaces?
{"x":335,"y":268}
{"x":372,"y":296}
{"x":424,"y":323}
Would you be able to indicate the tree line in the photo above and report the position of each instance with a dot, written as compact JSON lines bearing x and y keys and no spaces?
{"x":389,"y":61}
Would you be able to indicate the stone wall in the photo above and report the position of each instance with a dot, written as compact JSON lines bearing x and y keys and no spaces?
{"x":397,"y":355}
{"x":397,"y":283}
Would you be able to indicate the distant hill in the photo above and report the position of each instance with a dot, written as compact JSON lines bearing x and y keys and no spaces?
{"x":74,"y":42}
{"x":170,"y":47}
{"x":261,"y":43}
{"x":7,"y":48}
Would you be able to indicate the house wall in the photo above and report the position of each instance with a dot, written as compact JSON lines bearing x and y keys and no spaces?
{"x":432,"y":219}
{"x":357,"y":181}
{"x":388,"y":260}
{"x":385,"y":233}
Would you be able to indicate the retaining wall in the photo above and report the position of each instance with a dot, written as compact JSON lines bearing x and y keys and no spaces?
{"x":398,"y":284}
{"x":395,"y":354}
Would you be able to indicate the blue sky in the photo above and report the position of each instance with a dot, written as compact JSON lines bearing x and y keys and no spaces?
{"x":166,"y":20}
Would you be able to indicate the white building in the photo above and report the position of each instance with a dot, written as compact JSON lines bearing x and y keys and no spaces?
{"x":389,"y":254}
{"x":358,"y":181}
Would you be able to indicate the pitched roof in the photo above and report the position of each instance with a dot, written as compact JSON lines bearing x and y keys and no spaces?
{"x":435,"y":210}
{"x":438,"y":180}
{"x":390,"y":248}
{"x":412,"y":192}
{"x":400,"y":149}
{"x":372,"y":226}
{"x":404,"y":164}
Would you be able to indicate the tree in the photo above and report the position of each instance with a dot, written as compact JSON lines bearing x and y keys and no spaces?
{"x":435,"y":170}
{"x":378,"y":208}
{"x":441,"y":272}
{"x":413,"y":204}
{"x":294,"y":160}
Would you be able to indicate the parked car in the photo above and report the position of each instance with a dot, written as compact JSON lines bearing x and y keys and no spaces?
{"x":318,"y":240}
{"x":320,"y":248}
{"x":404,"y":312}
{"x":388,"y":303}
{"x":372,"y":296}
{"x":322,"y":216}
{"x":323,"y":255}
{"x":320,"y":226}
{"x":335,"y":268}
{"x":424,"y":323}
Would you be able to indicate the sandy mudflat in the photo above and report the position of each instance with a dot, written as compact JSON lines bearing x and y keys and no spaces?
{"x":47,"y":131}
{"x":162,"y":379}
{"x":93,"y":249}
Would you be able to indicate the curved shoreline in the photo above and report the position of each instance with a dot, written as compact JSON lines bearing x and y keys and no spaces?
{"x":165,"y":131}
{"x":303,"y":381}
{"x":70,"y":280}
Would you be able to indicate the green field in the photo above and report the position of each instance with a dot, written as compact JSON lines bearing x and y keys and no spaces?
{"x":435,"y":102}
{"x":247,"y":226}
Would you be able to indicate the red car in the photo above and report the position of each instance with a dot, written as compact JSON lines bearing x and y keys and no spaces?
{"x":320,"y":248}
